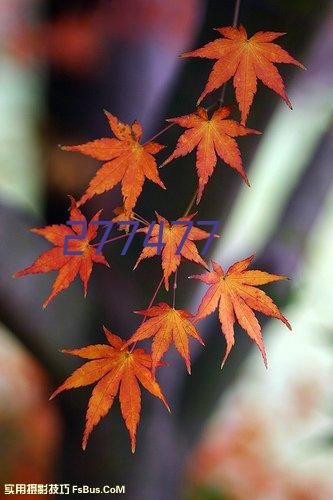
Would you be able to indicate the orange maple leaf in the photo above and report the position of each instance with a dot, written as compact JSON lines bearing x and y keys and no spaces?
{"x":236,"y":295}
{"x":114,"y":368}
{"x":172,"y":237}
{"x":212,"y":137}
{"x":127,"y":162}
{"x":69,"y":266}
{"x":245,"y":59}
{"x":167,"y":325}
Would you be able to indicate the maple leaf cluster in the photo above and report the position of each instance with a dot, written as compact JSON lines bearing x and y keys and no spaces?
{"x":120,"y":367}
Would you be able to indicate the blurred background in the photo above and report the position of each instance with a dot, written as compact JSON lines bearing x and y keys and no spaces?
{"x":240,"y":433}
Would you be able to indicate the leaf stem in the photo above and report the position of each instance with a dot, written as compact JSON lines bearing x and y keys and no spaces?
{"x":140,"y":219}
{"x":112,"y":239}
{"x":235,"y":22}
{"x":152,"y":300}
{"x":174,"y":289}
{"x":190,"y":205}
{"x":160,"y":132}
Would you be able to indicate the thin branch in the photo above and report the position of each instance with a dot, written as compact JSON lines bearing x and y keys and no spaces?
{"x":235,"y":22}
{"x":190,"y":205}
{"x":152,"y":300}
{"x":220,"y":101}
{"x":222,"y":95}
{"x":174,"y":289}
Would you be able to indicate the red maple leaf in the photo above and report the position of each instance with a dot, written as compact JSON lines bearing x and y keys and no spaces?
{"x":172,"y":237}
{"x":127,"y":162}
{"x":69,"y":266}
{"x":114,"y":368}
{"x":235,"y":294}
{"x":166,"y":324}
{"x":245,"y":59}
{"x":212,"y":137}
